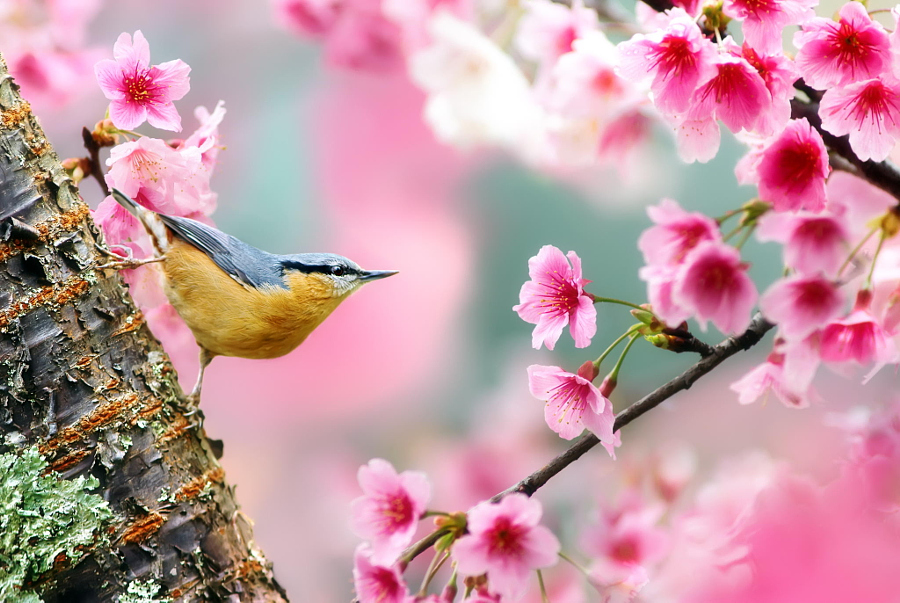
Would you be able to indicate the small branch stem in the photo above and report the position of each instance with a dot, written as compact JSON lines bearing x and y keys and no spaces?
{"x":856,"y":250}
{"x":614,"y":375}
{"x":721,"y":352}
{"x":612,"y":300}
{"x":613,"y":345}
{"x":93,"y":150}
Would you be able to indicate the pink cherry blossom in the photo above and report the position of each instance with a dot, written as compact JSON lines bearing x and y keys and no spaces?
{"x":307,"y":17}
{"x":801,"y":304}
{"x":769,"y":377}
{"x":735,"y":93}
{"x":584,"y":82}
{"x":858,"y":338}
{"x":388,"y":512}
{"x":763,"y":20}
{"x":660,"y":285}
{"x":868,"y":111}
{"x":779,"y":74}
{"x":555,"y":297}
{"x":676,"y":59}
{"x":117,"y":223}
{"x":139,"y":91}
{"x":164,"y":179}
{"x":675,"y":234}
{"x":377,"y":583}
{"x":506,"y":541}
{"x":793,"y":169}
{"x":714,"y":285}
{"x":625,"y":538}
{"x":812,"y":243}
{"x":548,"y":29}
{"x":856,"y":202}
{"x":206,"y":137}
{"x":573,"y":403}
{"x":853,"y":49}
{"x":364,"y":39}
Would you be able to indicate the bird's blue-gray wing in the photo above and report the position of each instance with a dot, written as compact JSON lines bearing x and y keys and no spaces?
{"x":245,"y":263}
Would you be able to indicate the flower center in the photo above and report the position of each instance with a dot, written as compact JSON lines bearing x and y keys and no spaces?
{"x":396,"y":512}
{"x":505,"y":537}
{"x":139,"y":87}
{"x":560,"y":295}
{"x":673,"y":56}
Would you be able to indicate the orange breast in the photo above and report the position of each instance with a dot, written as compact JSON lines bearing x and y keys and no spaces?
{"x":230,"y":319}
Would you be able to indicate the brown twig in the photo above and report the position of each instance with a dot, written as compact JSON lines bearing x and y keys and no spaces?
{"x":719,"y":353}
{"x":731,"y":346}
{"x":94,"y":151}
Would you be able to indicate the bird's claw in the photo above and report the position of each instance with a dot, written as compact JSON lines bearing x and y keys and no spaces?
{"x":125,"y":262}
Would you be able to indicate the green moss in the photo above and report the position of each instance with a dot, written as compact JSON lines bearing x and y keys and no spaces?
{"x":143,"y":592}
{"x":41,"y":517}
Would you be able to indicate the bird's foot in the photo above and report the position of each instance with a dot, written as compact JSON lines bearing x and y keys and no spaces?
{"x":124,"y":262}
{"x":192,"y":409}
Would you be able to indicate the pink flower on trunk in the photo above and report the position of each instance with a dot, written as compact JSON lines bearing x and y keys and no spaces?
{"x":389,"y":510}
{"x":506,"y":541}
{"x":763,"y":20}
{"x":573,"y":402}
{"x":139,"y":91}
{"x":555,"y":297}
{"x":868,"y":111}
{"x":377,"y":583}
{"x":800,"y":305}
{"x":853,"y":49}
{"x":170,"y":181}
{"x":675,"y":234}
{"x":676,"y":59}
{"x":812,"y":243}
{"x":793,"y":169}
{"x":713,"y":284}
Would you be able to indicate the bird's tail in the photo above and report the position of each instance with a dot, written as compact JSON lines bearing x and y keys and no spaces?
{"x":150,"y":219}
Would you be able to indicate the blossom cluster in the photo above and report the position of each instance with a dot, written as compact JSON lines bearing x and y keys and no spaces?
{"x":548,"y":84}
{"x":494,"y":545}
{"x":752,"y":530}
{"x":167,"y":176}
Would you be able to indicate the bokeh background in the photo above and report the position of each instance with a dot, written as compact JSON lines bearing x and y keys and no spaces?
{"x":426,"y":369}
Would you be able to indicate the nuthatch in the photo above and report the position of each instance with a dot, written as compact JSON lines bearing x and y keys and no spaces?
{"x":239,"y":300}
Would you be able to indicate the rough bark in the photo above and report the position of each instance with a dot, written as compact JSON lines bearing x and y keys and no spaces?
{"x":83,"y":379}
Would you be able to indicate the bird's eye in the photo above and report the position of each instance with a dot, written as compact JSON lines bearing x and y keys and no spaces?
{"x":337,"y":271}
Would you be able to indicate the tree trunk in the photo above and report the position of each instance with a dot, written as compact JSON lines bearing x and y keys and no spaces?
{"x":84,"y":380}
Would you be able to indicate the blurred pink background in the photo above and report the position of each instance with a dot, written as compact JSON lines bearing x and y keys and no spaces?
{"x":426,"y":369}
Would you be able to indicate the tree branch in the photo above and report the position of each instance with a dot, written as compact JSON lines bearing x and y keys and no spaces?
{"x":731,"y":346}
{"x":719,"y":353}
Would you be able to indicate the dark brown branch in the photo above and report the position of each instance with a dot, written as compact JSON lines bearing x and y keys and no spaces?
{"x":659,"y":5}
{"x":96,"y":168}
{"x":721,"y":352}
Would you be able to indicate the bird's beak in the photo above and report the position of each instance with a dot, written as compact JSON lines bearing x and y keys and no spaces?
{"x":374,"y":275}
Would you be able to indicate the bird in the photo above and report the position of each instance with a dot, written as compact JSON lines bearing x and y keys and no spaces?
{"x":236,"y":299}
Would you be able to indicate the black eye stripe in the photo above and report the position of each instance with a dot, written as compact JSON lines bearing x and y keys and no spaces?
{"x":329,"y":269}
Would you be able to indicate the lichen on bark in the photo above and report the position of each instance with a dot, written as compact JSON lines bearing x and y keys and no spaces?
{"x":43,"y":519}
